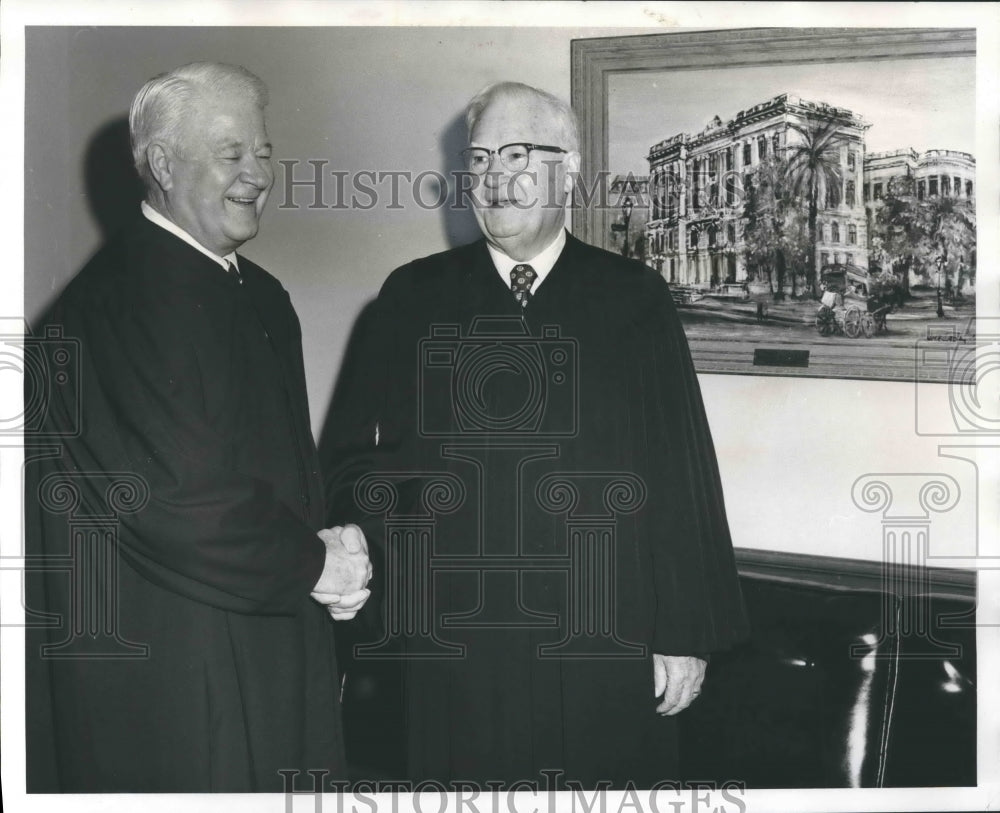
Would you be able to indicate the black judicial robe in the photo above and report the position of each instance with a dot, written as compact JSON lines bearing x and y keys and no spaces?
{"x":212,"y":669}
{"x":577,"y":506}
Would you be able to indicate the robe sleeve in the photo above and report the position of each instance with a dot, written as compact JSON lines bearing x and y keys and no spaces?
{"x":699,"y":606}
{"x":366,"y":433}
{"x":349,"y":443}
{"x":209,"y":532}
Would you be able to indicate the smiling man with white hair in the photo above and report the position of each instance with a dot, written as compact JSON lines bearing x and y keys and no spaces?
{"x":219,"y":672}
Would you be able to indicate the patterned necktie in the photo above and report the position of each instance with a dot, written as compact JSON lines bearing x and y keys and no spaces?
{"x":521,"y":278}
{"x":234,"y":270}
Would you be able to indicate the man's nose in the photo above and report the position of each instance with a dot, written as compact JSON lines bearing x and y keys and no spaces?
{"x":495,"y":171}
{"x":257,"y":171}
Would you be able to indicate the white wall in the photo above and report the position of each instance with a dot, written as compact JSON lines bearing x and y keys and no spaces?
{"x":390,"y":99}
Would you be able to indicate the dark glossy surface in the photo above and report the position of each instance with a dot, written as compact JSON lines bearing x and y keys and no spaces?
{"x":839,"y":688}
{"x":794,"y":707}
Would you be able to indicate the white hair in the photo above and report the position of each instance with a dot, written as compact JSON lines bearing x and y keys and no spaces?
{"x":563,"y":113}
{"x":159,"y":108}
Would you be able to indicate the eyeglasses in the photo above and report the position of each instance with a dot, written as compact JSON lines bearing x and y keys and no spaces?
{"x":514,"y":157}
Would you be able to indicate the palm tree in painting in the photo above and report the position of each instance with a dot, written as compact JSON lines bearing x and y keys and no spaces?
{"x":813,"y":167}
{"x":894,"y":231}
{"x":934,"y":236}
{"x":950,"y":226}
{"x":772,"y":227}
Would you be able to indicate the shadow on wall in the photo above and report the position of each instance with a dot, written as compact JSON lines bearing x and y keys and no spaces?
{"x":114,"y":190}
{"x":460,"y":226}
{"x":112,"y":187}
{"x":344,"y":429}
{"x":372,"y":705}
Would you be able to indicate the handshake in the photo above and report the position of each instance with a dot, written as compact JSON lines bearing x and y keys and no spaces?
{"x":342,"y":587}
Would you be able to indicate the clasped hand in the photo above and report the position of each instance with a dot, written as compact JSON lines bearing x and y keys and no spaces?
{"x":342,"y":587}
{"x":678,"y":679}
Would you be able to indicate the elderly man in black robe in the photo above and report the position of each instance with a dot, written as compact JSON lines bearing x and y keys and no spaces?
{"x":178,"y":511}
{"x":558,"y":561}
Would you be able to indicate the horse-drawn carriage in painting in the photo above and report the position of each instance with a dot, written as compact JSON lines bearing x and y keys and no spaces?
{"x":853,"y":303}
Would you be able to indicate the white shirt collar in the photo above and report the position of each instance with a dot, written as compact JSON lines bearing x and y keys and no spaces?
{"x":155,"y":217}
{"x":542,"y":262}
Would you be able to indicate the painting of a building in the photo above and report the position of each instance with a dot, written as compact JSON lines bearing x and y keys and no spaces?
{"x":933,"y":193}
{"x":947,"y":173}
{"x":698,"y":187}
{"x":626,"y":217}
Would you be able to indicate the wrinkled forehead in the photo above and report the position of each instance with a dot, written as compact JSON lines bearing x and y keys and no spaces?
{"x":518,"y":118}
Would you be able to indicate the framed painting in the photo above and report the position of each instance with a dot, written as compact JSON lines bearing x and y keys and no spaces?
{"x":808,"y":194}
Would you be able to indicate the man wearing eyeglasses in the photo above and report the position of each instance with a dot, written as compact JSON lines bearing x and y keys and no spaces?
{"x":578,"y":568}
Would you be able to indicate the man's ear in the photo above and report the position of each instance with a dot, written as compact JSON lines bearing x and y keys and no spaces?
{"x":161,"y":165}
{"x":572,"y":164}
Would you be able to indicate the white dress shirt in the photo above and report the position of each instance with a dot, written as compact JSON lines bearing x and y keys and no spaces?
{"x":155,"y":217}
{"x":542,"y":262}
